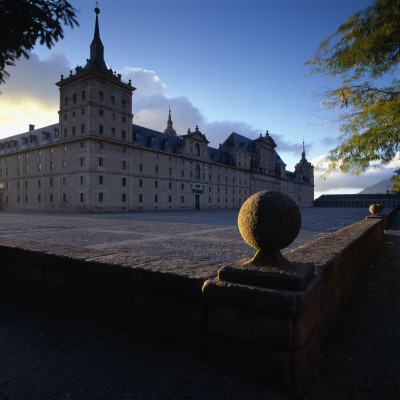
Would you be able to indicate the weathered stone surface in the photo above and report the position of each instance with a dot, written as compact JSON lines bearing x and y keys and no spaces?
{"x":269,"y":221}
{"x":293,"y":276}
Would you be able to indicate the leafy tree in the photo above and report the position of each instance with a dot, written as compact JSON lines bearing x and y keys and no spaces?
{"x":23,"y":22}
{"x":365,"y":53}
{"x":396,"y":181}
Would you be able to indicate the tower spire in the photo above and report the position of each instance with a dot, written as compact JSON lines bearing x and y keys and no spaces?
{"x":170,"y":130}
{"x":303,"y":153}
{"x":96,"y":47}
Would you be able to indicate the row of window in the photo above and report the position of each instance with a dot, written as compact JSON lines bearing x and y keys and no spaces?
{"x":101,"y":113}
{"x":123,"y":198}
{"x":100,"y":98}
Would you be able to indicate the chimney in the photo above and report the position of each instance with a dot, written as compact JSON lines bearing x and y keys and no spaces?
{"x":31,"y":127}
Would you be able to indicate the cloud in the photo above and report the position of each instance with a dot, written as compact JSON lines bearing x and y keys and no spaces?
{"x":339,"y":182}
{"x":30,"y":94}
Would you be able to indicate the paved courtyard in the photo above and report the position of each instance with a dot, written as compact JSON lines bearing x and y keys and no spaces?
{"x":212,"y":236}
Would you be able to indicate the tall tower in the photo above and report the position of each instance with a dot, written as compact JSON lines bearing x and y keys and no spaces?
{"x":304,"y":169}
{"x":94,"y":101}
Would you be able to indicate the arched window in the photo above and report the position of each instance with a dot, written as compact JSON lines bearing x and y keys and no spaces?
{"x":197,"y":171}
{"x":197,"y":150}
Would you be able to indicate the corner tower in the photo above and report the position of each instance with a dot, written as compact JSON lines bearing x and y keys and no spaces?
{"x":94,"y":101}
{"x":304,"y":170}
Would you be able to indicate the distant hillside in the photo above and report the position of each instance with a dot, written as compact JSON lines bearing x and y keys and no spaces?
{"x":379,"y":187}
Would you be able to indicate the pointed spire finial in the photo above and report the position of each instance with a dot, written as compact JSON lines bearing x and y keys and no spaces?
{"x":303,"y":152}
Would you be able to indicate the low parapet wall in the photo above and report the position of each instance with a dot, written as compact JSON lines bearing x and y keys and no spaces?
{"x":267,"y":334}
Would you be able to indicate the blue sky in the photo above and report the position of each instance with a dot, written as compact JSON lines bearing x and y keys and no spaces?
{"x":225,"y":65}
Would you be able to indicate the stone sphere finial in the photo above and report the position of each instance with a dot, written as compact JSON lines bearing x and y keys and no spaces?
{"x":269,"y":221}
{"x":375,"y":209}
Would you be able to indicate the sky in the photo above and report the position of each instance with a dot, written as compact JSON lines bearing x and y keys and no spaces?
{"x":224,"y":65}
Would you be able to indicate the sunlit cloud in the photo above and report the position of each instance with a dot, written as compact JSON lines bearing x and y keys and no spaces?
{"x":339,"y":182}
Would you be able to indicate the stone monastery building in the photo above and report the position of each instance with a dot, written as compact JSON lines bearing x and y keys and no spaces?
{"x":96,"y":159}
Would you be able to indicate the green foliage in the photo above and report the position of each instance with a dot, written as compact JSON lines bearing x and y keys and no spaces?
{"x":365,"y":53}
{"x":23,"y":22}
{"x":396,"y":181}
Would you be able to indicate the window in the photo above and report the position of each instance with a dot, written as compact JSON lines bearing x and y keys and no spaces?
{"x":182,"y":186}
{"x":101,"y":179}
{"x":170,"y":185}
{"x":83,"y":128}
{"x":101,"y":145}
{"x":182,"y":199}
{"x":156,"y":184}
{"x":82,"y":145}
{"x":83,"y":95}
{"x":82,"y":111}
{"x":123,"y":118}
{"x":123,"y":197}
{"x":197,"y":150}
{"x":73,"y":130}
{"x":197,"y":170}
{"x":64,"y":181}
{"x":140,"y":182}
{"x":123,"y":181}
{"x":123,"y":104}
{"x":65,"y":116}
{"x":51,"y":151}
{"x":65,"y":132}
{"x":64,"y":163}
{"x":101,"y":96}
{"x":170,"y":171}
{"x":51,"y":164}
{"x":38,"y":182}
{"x":124,"y":149}
{"x":156,"y":169}
{"x":123,"y":135}
{"x":140,"y":167}
{"x":74,"y":98}
{"x":81,"y":179}
{"x":50,"y":197}
{"x":66,"y":101}
{"x":82,"y":161}
{"x":100,"y":197}
{"x":26,"y":184}
{"x":112,"y":100}
{"x":39,"y":166}
{"x":169,"y":199}
{"x":112,"y":132}
{"x":101,"y":162}
{"x":64,"y":197}
{"x":182,"y":173}
{"x":101,"y":129}
{"x":39,"y":153}
{"x":101,"y":112}
{"x":156,"y":198}
{"x":140,"y":198}
{"x":81,"y":197}
{"x":123,"y":164}
{"x":113,"y":116}
{"x":51,"y":182}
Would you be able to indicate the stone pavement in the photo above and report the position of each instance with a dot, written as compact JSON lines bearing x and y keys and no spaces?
{"x":49,"y":356}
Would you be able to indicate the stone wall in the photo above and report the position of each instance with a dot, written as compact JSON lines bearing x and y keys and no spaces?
{"x":267,"y":334}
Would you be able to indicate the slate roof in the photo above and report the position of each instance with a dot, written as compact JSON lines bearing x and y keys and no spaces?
{"x":30,"y":139}
{"x":237,"y":141}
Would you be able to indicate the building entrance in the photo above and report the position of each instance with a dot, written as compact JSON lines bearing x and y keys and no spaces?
{"x":197,"y":202}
